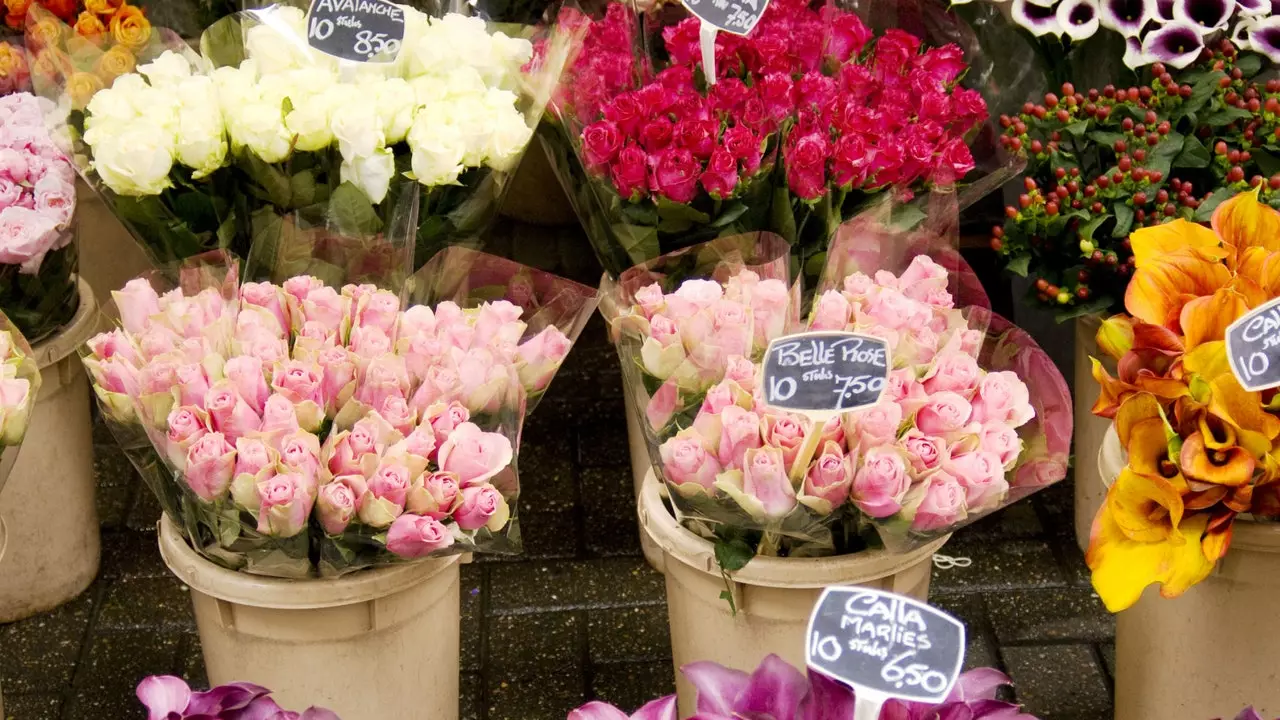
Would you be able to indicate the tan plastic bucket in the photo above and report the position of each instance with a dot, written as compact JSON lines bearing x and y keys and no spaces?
{"x":774,"y":596}
{"x":641,"y":468}
{"x":1210,"y":652}
{"x":109,"y":256}
{"x":47,"y":504}
{"x":1090,"y":429}
{"x":375,"y":645}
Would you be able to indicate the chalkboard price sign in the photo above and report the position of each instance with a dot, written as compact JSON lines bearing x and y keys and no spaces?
{"x":356,"y":30}
{"x":825,"y":372}
{"x":1253,"y":347}
{"x":734,"y":16}
{"x":885,"y":645}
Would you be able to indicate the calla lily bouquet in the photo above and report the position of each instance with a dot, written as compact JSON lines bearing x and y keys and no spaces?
{"x":170,"y":698}
{"x":1105,"y":162}
{"x":302,"y":428}
{"x":1201,"y":449}
{"x":19,"y":388}
{"x":779,"y":691}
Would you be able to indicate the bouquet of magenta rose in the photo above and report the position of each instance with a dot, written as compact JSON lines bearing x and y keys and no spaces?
{"x":302,"y":428}
{"x":37,"y":210}
{"x":19,"y":387}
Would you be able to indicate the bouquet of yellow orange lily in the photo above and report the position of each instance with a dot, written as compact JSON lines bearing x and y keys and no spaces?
{"x":1202,"y":449}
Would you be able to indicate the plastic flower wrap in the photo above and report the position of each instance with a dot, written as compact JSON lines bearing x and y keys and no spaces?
{"x":810,"y":114}
{"x":50,"y":23}
{"x":777,"y":690}
{"x":169,"y":697}
{"x":38,"y":288}
{"x":19,"y":388}
{"x":216,"y":150}
{"x":1200,"y":447}
{"x":303,"y":428}
{"x":974,"y":415}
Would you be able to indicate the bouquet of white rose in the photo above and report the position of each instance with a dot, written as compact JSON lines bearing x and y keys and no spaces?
{"x":261,"y":136}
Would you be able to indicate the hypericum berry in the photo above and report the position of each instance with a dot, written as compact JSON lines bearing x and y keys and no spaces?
{"x":1096,"y":256}
{"x":1075,"y":172}
{"x":1151,"y":117}
{"x":996,"y":244}
{"x":1037,"y":147}
{"x":1096,"y":208}
{"x":1090,"y":191}
{"x":1155,"y":176}
{"x":1073,"y":187}
{"x":1140,"y":198}
{"x":1027,"y":108}
{"x":1011,"y":212}
{"x":1117,"y":177}
{"x":1016,"y":143}
{"x":1104,"y":182}
{"x":1083,"y":276}
{"x":1024,"y":200}
{"x":997,"y":231}
{"x":1139,"y":174}
{"x":1064,"y":297}
{"x":1042,"y":285}
{"x":1051,"y":209}
{"x":1060,"y":173}
{"x":1153,"y":140}
{"x":1140,"y":155}
{"x":1121,"y":146}
{"x":1235,"y":174}
{"x":1127,"y":124}
{"x":1170,"y":210}
{"x":1125,"y":164}
{"x":1063,"y":116}
{"x":1275,"y":182}
{"x":1164,"y":128}
{"x":1068,"y":89}
{"x":1029,"y":184}
{"x":1112,"y":259}
{"x":1162,"y":196}
{"x":1082,"y":292}
{"x":1221,"y":148}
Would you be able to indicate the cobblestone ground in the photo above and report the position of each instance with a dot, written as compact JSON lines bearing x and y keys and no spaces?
{"x":580,"y":616}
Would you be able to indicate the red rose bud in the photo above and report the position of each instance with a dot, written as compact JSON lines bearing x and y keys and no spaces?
{"x":675,"y":175}
{"x":721,"y":176}
{"x":600,"y":144}
{"x":630,"y":173}
{"x":744,"y":146}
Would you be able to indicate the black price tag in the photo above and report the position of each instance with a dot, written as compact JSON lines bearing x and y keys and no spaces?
{"x":733,"y":16}
{"x":885,"y":645}
{"x":825,"y":372}
{"x":356,"y":30}
{"x":1253,"y":347}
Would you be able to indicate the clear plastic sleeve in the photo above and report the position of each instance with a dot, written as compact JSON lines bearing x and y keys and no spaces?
{"x":19,"y":389}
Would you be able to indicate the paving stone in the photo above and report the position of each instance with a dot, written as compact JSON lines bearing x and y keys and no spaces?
{"x":130,"y":554}
{"x":628,"y":686}
{"x":155,"y":603}
{"x":611,"y":582}
{"x":1077,"y":572}
{"x":1059,"y":614}
{"x":472,"y":592}
{"x":629,"y":634}
{"x":98,"y":704}
{"x":42,"y":706}
{"x":980,"y":646}
{"x":1017,"y":521}
{"x":146,"y":511}
{"x":118,"y":661}
{"x":113,"y":505}
{"x":191,"y":662}
{"x":547,"y":696}
{"x":609,"y":509}
{"x":547,"y":481}
{"x":548,"y":535}
{"x":470,"y":696}
{"x":1108,"y":653}
{"x":536,"y":643}
{"x":1003,"y":566}
{"x":40,"y":654}
{"x":1059,"y":682}
{"x":1056,"y":505}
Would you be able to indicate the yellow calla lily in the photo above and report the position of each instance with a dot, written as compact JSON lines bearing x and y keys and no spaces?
{"x":1150,"y":243}
{"x":1208,"y":360}
{"x":1123,"y":567}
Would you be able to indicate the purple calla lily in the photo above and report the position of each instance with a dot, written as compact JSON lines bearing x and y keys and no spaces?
{"x":660,"y":709}
{"x":170,"y":698}
{"x":1174,"y":44}
{"x":1127,"y":17}
{"x":1079,"y":18}
{"x":1134,"y":57}
{"x":1248,"y":714}
{"x":1164,"y":9}
{"x":1037,"y":19}
{"x":163,"y":695}
{"x":1264,"y":37}
{"x":1254,"y":7}
{"x":1208,"y":15}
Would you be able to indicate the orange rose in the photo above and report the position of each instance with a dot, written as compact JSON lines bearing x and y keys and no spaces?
{"x":89,"y":26}
{"x":45,"y":33}
{"x":115,"y":62}
{"x":82,"y":87}
{"x":130,"y":27}
{"x":16,"y":12}
{"x":14,"y":73}
{"x":65,"y":9}
{"x":102,"y":7}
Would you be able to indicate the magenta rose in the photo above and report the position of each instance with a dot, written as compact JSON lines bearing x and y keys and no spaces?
{"x":656,"y":135}
{"x":686,"y":461}
{"x":848,"y":36}
{"x":881,"y":483}
{"x":474,"y":455}
{"x":894,"y":51}
{"x":849,"y":162}
{"x":942,"y":504}
{"x":806,"y":167}
{"x":764,"y":477}
{"x":675,"y":175}
{"x":728,"y":94}
{"x":414,"y":536}
{"x":285,"y":504}
{"x":777,"y":93}
{"x":435,"y":496}
{"x":481,"y":506}
{"x":982,"y":476}
{"x":953,"y":162}
{"x":627,"y":112}
{"x":721,"y":176}
{"x":1002,"y":397}
{"x":696,"y":136}
{"x":630,"y":173}
{"x":745,"y":147}
{"x":210,"y":463}
{"x":830,"y":476}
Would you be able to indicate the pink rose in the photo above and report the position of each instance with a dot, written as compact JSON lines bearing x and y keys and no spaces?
{"x":877,"y":425}
{"x":298,"y":382}
{"x":252,"y":456}
{"x":740,"y":370}
{"x":210,"y":463}
{"x":390,"y":482}
{"x":268,"y":297}
{"x":434,"y":496}
{"x":346,"y":451}
{"x":369,"y":342}
{"x":56,"y":197}
{"x":185,"y":428}
{"x":379,"y":310}
{"x":1002,"y":397}
{"x":924,"y":452}
{"x":740,"y":432}
{"x":498,"y":323}
{"x":421,"y":442}
{"x":1002,"y":441}
{"x":538,"y":358}
{"x":325,"y":306}
{"x":830,"y":476}
{"x":942,"y":505}
{"x":300,"y":453}
{"x":1040,"y":472}
{"x":229,"y":414}
{"x":693,"y":295}
{"x":443,"y":419}
{"x":662,"y":405}
{"x":158,"y":376}
{"x":831,"y":312}
{"x":414,"y":536}
{"x":786,"y":433}
{"x":663,"y":329}
{"x":685,"y":460}
{"x":891,"y":309}
{"x":398,"y":413}
{"x":245,"y":375}
{"x":481,"y":506}
{"x":952,"y":371}
{"x":982,"y":476}
{"x":417,"y":320}
{"x":193,"y":385}
{"x":286,"y":502}
{"x":301,"y":286}
{"x":833,"y":431}
{"x":943,"y":414}
{"x":386,"y":377}
{"x":650,"y":299}
{"x":336,"y":505}
{"x":764,"y":477}
{"x":770,"y":306}
{"x":971,"y":341}
{"x":904,"y":389}
{"x":881,"y":483}
{"x":717,"y":399}
{"x":278,"y":418}
{"x":113,"y":344}
{"x":137,"y":302}
{"x":858,"y":285}
{"x":339,"y":376}
{"x":474,"y":455}
{"x":115,"y":375}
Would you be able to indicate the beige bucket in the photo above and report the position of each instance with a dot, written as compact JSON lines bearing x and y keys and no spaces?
{"x":109,"y":256}
{"x":774,"y":596}
{"x":48,"y":502}
{"x":1090,"y":429}
{"x":375,"y":645}
{"x":1213,"y":656}
{"x":641,"y":468}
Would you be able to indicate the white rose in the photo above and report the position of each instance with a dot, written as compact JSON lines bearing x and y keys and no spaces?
{"x":137,"y":161}
{"x":260,"y":127}
{"x":437,"y":152}
{"x":371,"y":174}
{"x":358,"y":128}
{"x":201,"y":142}
{"x":309,"y":121}
{"x":168,"y":69}
{"x":428,"y":90}
{"x":236,"y":87}
{"x":465,"y":81}
{"x":279,"y":42}
{"x":507,"y":143}
{"x":109,"y":106}
{"x":475,"y":122}
{"x":397,"y":104}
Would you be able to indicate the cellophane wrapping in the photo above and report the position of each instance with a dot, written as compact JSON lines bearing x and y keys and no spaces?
{"x":19,"y":390}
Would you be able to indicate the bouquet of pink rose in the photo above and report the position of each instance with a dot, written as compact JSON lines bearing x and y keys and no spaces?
{"x":37,"y":206}
{"x":302,"y":428}
{"x":19,"y":387}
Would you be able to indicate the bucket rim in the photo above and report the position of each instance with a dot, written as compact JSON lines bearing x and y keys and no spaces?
{"x":786,"y":573}
{"x":71,"y":336}
{"x":261,"y":591}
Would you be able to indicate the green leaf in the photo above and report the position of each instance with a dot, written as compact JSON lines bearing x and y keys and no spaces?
{"x":1267,"y":161}
{"x":1161,"y":158}
{"x":907,"y":217}
{"x":640,"y":213}
{"x":784,"y":220}
{"x":733,"y":555}
{"x":1088,"y":229}
{"x":1201,"y":92}
{"x":269,"y":182}
{"x":351,"y":212}
{"x":303,"y":187}
{"x":1194,"y":154}
{"x":640,"y":241}
{"x":1019,"y":265}
{"x":735,"y":210}
{"x":674,"y":217}
{"x":1105,"y":138}
{"x":1226,"y":116}
{"x":1124,"y":221}
{"x":1078,"y":129}
{"x":1093,"y":307}
{"x":1204,"y":213}
{"x":1249,"y":64}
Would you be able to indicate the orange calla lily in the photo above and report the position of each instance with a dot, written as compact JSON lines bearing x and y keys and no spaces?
{"x":1146,"y":508}
{"x":1229,"y":466}
{"x":1208,"y":360}
{"x":1205,"y":319}
{"x":1115,"y":336}
{"x":1258,"y":428}
{"x":1262,"y":266}
{"x":1157,"y":292}
{"x":1149,"y":244}
{"x":1245,"y":222}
